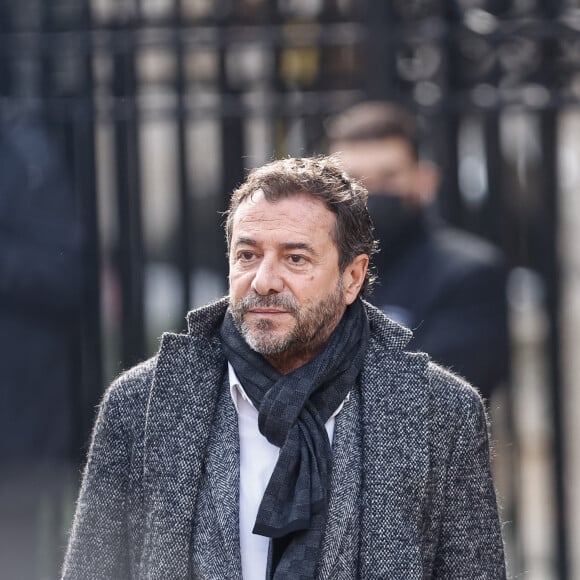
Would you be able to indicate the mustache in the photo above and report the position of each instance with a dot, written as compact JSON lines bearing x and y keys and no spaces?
{"x":270,"y":301}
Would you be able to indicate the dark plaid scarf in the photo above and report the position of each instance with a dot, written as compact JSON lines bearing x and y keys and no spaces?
{"x":293,"y":410}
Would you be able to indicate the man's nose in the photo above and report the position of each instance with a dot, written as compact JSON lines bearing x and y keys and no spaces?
{"x":267,"y":279}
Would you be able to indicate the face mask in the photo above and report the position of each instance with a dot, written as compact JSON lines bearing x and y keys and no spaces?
{"x":394,"y":220}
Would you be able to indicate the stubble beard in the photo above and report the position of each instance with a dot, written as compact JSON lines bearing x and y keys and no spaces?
{"x":314,"y":323}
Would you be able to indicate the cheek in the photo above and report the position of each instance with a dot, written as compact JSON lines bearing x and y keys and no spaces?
{"x":235,"y":283}
{"x":240,"y":283}
{"x":310,"y":288}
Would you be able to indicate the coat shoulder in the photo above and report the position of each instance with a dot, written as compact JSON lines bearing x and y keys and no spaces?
{"x":128,"y":394}
{"x":134,"y":380}
{"x":454,"y":405}
{"x":452,"y":390}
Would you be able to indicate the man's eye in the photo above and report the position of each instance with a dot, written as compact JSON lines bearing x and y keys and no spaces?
{"x":296,"y":259}
{"x":245,"y":256}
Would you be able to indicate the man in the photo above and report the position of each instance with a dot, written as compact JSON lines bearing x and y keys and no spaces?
{"x":445,"y":284}
{"x":289,"y":434}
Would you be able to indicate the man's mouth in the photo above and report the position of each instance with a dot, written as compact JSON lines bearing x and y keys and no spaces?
{"x":267,"y":306}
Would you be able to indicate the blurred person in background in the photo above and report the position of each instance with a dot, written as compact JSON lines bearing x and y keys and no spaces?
{"x":445,"y":284}
{"x":39,"y":306}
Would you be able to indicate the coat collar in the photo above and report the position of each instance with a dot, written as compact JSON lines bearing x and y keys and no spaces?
{"x":179,"y":414}
{"x":204,"y":321}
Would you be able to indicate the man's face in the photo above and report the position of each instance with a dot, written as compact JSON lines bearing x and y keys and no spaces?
{"x":383,"y":165}
{"x":286,"y":291}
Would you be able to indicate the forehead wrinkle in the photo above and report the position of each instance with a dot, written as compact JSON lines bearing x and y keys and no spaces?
{"x":254,"y":220}
{"x":245,"y":241}
{"x":263,"y":224}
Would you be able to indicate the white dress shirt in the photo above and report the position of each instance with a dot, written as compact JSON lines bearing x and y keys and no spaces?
{"x":257,"y":460}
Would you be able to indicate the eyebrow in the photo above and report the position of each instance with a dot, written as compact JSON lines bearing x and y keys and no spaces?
{"x":245,"y":242}
{"x":286,"y":246}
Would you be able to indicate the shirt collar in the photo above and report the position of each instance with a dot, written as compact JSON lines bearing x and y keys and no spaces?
{"x":236,"y":389}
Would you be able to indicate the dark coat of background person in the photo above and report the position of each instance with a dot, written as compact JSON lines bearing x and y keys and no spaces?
{"x":449,"y":287}
{"x":40,"y":287}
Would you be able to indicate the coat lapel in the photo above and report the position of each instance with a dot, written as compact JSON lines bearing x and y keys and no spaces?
{"x":182,"y":401}
{"x":223,"y":480}
{"x":395,"y":453}
{"x":344,"y":488}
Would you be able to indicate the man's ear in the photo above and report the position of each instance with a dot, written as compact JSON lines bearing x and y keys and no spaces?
{"x":353,"y":277}
{"x":428,"y":180}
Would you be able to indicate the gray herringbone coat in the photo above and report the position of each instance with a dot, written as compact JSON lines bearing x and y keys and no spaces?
{"x":425,"y":504}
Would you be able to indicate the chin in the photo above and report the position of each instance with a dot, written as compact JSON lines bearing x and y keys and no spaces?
{"x":266,"y":347}
{"x":265,"y":341}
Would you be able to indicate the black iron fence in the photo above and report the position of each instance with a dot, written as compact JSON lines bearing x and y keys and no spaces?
{"x":159,"y":106}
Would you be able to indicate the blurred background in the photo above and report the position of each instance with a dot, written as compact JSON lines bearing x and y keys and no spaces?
{"x":124,"y":126}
